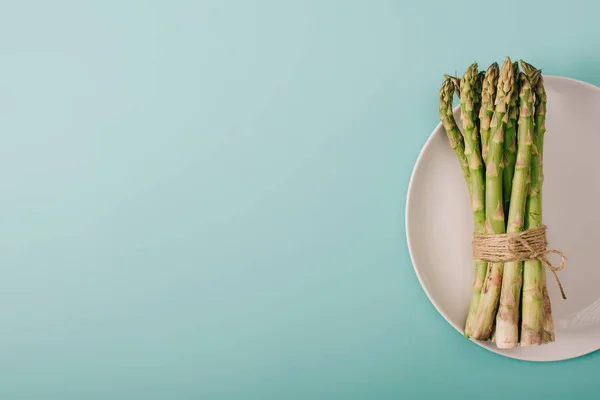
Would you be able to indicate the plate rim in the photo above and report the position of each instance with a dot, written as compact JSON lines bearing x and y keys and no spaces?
{"x":417,"y":163}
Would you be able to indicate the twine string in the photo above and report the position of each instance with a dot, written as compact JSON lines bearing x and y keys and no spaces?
{"x":520,"y":246}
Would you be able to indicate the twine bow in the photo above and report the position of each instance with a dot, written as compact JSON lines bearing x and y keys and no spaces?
{"x":526,"y":245}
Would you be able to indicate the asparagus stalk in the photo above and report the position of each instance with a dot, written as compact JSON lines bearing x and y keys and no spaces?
{"x":454,"y":136}
{"x":494,"y":211}
{"x":469,"y":88}
{"x":457,"y":143}
{"x":548,"y":335}
{"x":507,"y":321}
{"x":510,"y":143}
{"x":468,"y":94}
{"x":488,"y":94}
{"x":486,"y":109}
{"x":537,"y":313}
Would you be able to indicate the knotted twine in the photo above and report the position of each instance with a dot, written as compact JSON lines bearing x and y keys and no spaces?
{"x":520,"y":246}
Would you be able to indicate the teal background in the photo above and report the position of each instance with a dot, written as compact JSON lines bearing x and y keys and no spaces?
{"x":204,"y":199}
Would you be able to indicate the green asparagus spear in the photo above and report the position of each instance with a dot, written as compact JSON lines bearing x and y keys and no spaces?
{"x":454,"y":136}
{"x":494,"y":210}
{"x":548,"y":336}
{"x":507,"y":322}
{"x":484,"y":109}
{"x":488,"y":94}
{"x":450,"y":86}
{"x":510,"y":143}
{"x":537,"y":325}
{"x":469,"y":88}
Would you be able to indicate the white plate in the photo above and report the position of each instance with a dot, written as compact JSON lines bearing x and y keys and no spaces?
{"x":439,"y":223}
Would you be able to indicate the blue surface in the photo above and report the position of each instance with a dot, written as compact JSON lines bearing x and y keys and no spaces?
{"x":204,"y":200}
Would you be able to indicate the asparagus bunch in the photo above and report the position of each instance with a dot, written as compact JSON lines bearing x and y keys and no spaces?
{"x":500,"y":152}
